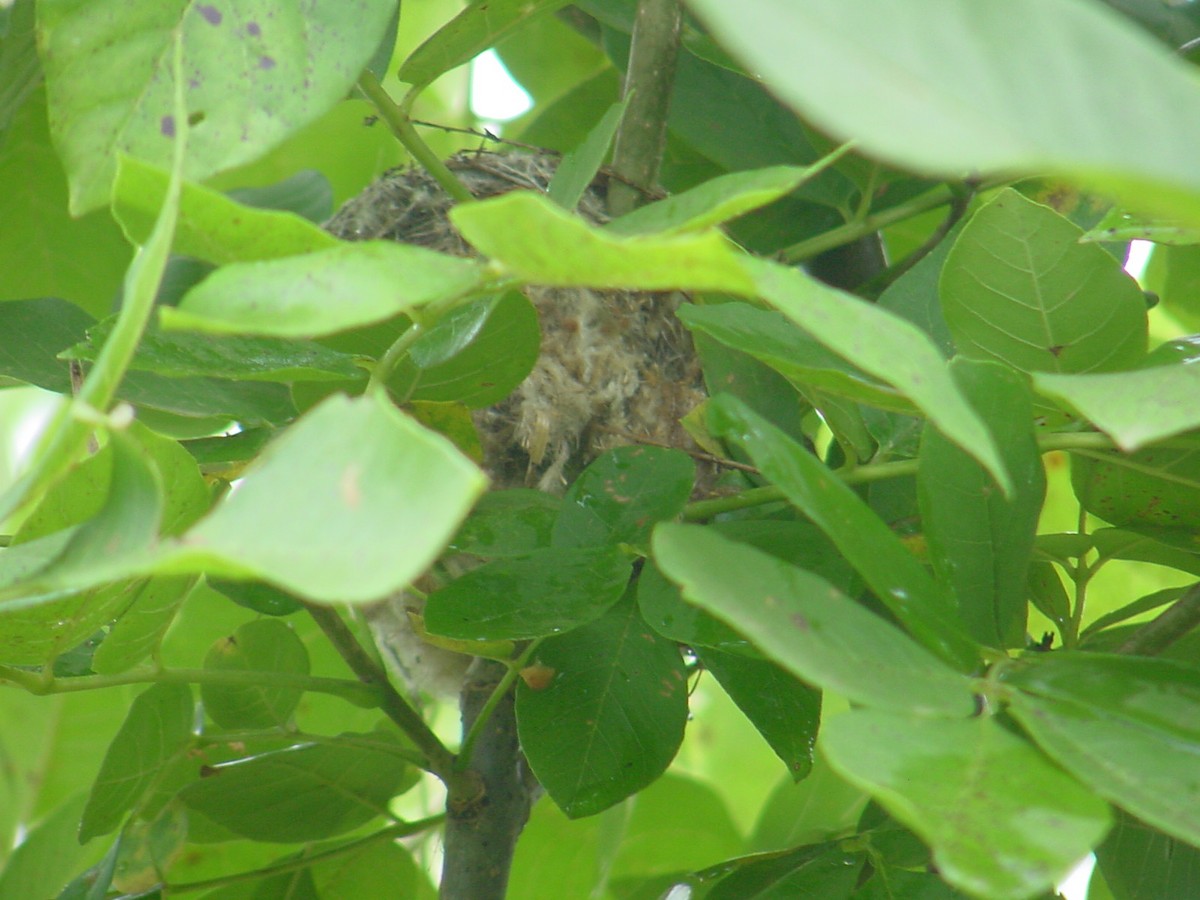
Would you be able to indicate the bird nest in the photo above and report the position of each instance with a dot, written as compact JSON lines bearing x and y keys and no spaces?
{"x":614,"y":368}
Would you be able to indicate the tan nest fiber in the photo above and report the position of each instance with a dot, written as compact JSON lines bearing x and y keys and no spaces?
{"x":615,"y":367}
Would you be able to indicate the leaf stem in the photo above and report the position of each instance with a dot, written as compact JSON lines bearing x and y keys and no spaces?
{"x":440,"y":760}
{"x":859,"y":228}
{"x":638,"y":149}
{"x":1170,"y":625}
{"x":398,"y":121}
{"x":391,"y":833}
{"x":485,"y":713}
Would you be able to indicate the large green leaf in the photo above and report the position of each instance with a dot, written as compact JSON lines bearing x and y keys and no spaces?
{"x":1019,"y":287}
{"x":322,"y":292}
{"x":611,"y":719}
{"x":885,"y":563}
{"x":391,"y":490}
{"x":257,"y":72}
{"x":394,"y":492}
{"x":47,"y":855}
{"x":622,"y":495}
{"x":303,"y":793}
{"x":883,"y":345}
{"x":549,"y":591}
{"x":539,"y":242}
{"x":143,"y":623}
{"x":157,"y":729}
{"x":970,"y":94}
{"x":1173,"y":274}
{"x":980,"y":541}
{"x":266,"y":645}
{"x":1128,"y":728}
{"x":799,"y":543}
{"x":1002,"y":821}
{"x":807,"y":626}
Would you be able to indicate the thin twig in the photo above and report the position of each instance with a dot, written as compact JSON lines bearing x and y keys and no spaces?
{"x":440,"y":759}
{"x":397,"y":120}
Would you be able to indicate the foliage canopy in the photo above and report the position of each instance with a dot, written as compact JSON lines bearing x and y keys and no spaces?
{"x":799,"y":657}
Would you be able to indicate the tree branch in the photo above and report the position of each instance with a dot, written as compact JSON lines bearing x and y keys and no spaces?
{"x":1174,"y":622}
{"x":482,"y":827}
{"x":637,"y":154}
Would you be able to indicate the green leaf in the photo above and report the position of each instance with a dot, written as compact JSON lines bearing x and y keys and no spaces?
{"x":180,"y":355}
{"x":819,"y":871}
{"x":612,"y":718}
{"x":392,"y":492}
{"x":1047,"y":593}
{"x":262,"y":645}
{"x":719,"y":199}
{"x":785,"y":711}
{"x":35,"y":332}
{"x":885,"y":563}
{"x":256,"y":595}
{"x":157,"y":729}
{"x":49,"y":852}
{"x":798,"y":543}
{"x":1127,"y":727}
{"x":143,"y":623}
{"x":1019,"y":287}
{"x":468,"y":34}
{"x":52,"y":254}
{"x":959,"y":97}
{"x":807,"y":626}
{"x":1002,"y":822}
{"x":472,"y":358}
{"x":621,"y":495}
{"x":770,"y":338}
{"x":1140,"y":863}
{"x":578,"y":169}
{"x":377,"y":869}
{"x":538,"y":242}
{"x":322,"y":292}
{"x":1122,"y":225}
{"x":304,"y":793}
{"x":128,"y":521}
{"x":1157,"y":487}
{"x":148,"y":847}
{"x":547,"y":592}
{"x":885,"y":346}
{"x":257,"y":73}
{"x":508,"y":523}
{"x":211,"y":226}
{"x":1135,"y":407}
{"x":980,"y":541}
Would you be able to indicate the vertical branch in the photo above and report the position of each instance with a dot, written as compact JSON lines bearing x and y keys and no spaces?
{"x":482,"y":826}
{"x":638,"y":153}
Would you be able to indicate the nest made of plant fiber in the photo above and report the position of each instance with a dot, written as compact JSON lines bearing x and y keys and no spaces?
{"x":615,"y":367}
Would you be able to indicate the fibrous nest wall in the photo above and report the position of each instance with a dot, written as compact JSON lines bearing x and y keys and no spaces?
{"x":615,"y":367}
